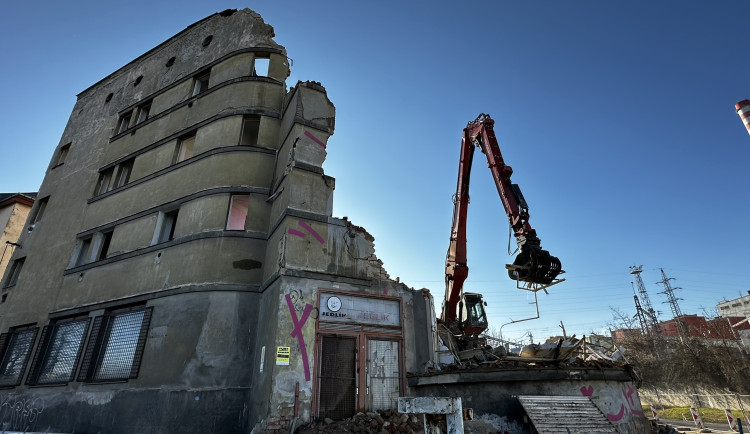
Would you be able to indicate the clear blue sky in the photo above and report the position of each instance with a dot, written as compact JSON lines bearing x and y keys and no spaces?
{"x":617,"y":117}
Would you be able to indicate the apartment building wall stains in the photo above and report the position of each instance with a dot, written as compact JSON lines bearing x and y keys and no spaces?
{"x":185,"y":273}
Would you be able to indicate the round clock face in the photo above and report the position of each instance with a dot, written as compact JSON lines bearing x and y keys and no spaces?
{"x":334,"y":304}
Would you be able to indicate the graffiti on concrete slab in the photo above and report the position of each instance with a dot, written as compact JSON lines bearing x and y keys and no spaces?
{"x":297,"y":324}
{"x":298,"y":300}
{"x":315,"y":139}
{"x":628,"y":405}
{"x":309,"y":230}
{"x":20,"y":414}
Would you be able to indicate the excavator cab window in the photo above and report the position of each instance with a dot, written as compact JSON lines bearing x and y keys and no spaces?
{"x":477,"y":316}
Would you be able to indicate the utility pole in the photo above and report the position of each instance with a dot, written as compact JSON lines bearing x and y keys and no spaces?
{"x":648,"y":311}
{"x":641,"y":318}
{"x":672,"y":300}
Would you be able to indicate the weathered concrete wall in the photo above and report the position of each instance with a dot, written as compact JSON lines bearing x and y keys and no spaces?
{"x":494,"y":392}
{"x":13,"y":222}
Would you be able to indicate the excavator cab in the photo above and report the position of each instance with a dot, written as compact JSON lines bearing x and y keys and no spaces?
{"x":471,"y":315}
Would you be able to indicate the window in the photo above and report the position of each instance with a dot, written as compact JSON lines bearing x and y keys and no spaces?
{"x":114,"y":177}
{"x":82,"y":253}
{"x":15,"y":271}
{"x":165,"y":225}
{"x":40,"y":208}
{"x":250,"y":126}
{"x":124,"y":122}
{"x":105,"y":180}
{"x":260,"y":66}
{"x":201,"y":82}
{"x":238,"y":212}
{"x":123,"y":172}
{"x":105,"y":238}
{"x":62,"y":154}
{"x":184,"y":149}
{"x":15,"y":347}
{"x":143,"y":111}
{"x":115,"y":346}
{"x":58,"y":352}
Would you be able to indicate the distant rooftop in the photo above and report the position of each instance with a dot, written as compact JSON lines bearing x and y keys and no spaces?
{"x":6,"y":198}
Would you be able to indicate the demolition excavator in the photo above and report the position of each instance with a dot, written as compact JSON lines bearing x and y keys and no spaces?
{"x":533,"y":269}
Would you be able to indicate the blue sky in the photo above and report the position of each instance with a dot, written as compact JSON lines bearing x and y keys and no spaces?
{"x":617,"y":118}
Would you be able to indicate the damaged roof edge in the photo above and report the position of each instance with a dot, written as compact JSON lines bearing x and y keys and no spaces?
{"x":224,"y":13}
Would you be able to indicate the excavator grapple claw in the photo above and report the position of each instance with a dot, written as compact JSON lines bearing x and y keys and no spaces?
{"x":535,"y":266}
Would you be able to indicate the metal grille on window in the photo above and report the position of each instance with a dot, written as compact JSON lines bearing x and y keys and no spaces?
{"x":62,"y":353}
{"x":383,"y":374}
{"x":16,"y":356}
{"x":119,"y":350}
{"x":338,"y":377}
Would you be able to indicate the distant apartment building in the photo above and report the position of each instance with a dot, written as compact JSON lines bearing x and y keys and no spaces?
{"x":739,"y":307}
{"x":184,"y":272}
{"x":14,"y":210}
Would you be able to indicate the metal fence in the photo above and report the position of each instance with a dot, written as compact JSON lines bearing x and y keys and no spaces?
{"x":734,"y":401}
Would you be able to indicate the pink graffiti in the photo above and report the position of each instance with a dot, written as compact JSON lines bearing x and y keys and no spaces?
{"x":632,"y":407}
{"x":309,"y":230}
{"x":315,"y":139}
{"x":618,"y":416}
{"x":297,"y":331}
{"x":385,"y":290}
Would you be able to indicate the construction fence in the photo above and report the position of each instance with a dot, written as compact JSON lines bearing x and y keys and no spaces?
{"x":734,"y":401}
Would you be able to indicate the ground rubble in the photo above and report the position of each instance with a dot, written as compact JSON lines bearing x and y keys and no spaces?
{"x":380,"y":422}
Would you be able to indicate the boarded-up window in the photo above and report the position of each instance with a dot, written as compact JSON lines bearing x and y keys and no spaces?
{"x":238,"y":212}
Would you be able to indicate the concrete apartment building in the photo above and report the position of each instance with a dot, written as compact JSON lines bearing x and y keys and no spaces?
{"x":738,"y":307}
{"x":14,"y":209}
{"x":184,"y":272}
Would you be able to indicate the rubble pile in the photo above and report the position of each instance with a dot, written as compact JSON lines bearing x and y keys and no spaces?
{"x":380,"y":422}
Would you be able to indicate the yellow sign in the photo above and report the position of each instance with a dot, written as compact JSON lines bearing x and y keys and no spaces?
{"x":282,"y":355}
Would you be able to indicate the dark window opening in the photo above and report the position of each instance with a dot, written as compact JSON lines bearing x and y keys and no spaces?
{"x":170,"y":62}
{"x":40,"y":208}
{"x":207,"y":40}
{"x":138,"y":80}
{"x":123,"y":172}
{"x":184,"y":149}
{"x":105,"y":179}
{"x":143,"y":111}
{"x":104,"y":249}
{"x":124,"y":122}
{"x":83,"y":251}
{"x":250,"y":128}
{"x":62,"y":154}
{"x":168,"y":223}
{"x":15,"y":271}
{"x":201,"y":82}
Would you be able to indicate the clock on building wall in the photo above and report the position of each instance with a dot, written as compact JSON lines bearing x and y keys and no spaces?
{"x":334,"y":303}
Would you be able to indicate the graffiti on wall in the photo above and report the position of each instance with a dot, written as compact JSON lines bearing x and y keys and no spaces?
{"x":20,"y":414}
{"x":309,"y":230}
{"x":315,"y":139}
{"x":628,"y":405}
{"x":297,"y":323}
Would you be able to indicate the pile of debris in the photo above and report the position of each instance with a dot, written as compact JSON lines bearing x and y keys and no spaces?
{"x":380,"y":422}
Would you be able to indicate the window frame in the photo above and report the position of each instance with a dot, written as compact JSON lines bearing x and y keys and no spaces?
{"x":166,"y":222}
{"x":62,"y":154}
{"x":40,"y":209}
{"x":144,"y":110}
{"x":46,"y":344}
{"x":231,"y":210}
{"x":82,"y":252}
{"x":99,"y":339}
{"x":185,"y":148}
{"x":6,"y":342}
{"x":14,"y":272}
{"x":123,"y":122}
{"x":254,"y":134}
{"x":201,"y":82}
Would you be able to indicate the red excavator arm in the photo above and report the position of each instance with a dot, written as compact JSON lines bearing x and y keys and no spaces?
{"x":534,"y":269}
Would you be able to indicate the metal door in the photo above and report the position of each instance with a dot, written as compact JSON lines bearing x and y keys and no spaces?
{"x":383,"y":377}
{"x":338,"y":377}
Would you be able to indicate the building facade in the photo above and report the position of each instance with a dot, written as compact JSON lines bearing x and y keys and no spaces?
{"x":739,"y":307}
{"x":14,"y":210}
{"x":185,"y":273}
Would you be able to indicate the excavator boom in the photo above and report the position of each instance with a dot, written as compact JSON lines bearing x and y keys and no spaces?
{"x":534,"y":268}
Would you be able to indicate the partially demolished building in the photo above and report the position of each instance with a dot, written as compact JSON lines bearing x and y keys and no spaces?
{"x":187,"y":271}
{"x":187,"y":274}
